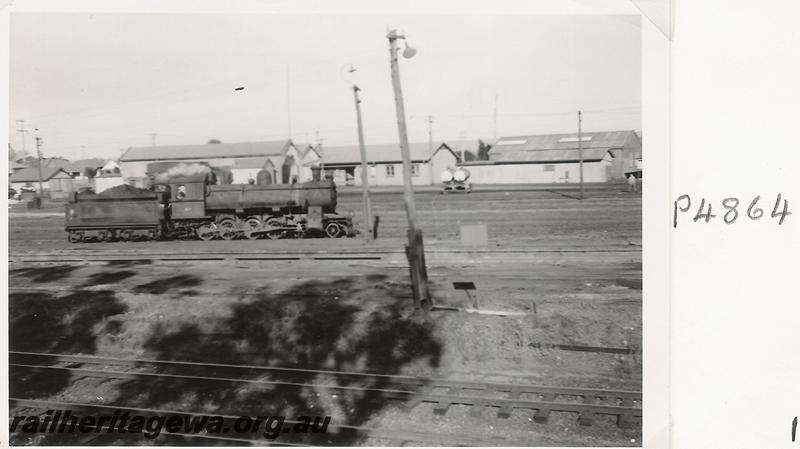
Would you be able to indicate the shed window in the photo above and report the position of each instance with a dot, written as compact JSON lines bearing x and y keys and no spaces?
{"x":390,"y":170}
{"x":549,"y":167}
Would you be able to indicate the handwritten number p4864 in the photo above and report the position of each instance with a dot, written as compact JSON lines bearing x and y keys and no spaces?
{"x":731,"y":205}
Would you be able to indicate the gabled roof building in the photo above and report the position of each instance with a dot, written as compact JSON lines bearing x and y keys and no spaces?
{"x":239,"y":158}
{"x":385,"y":163}
{"x":550,"y":158}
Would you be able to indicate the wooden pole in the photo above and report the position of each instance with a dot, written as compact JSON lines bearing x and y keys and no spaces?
{"x":368,"y":235}
{"x":430,"y":147}
{"x":415,"y":250}
{"x":580,"y":151}
{"x":39,"y":157}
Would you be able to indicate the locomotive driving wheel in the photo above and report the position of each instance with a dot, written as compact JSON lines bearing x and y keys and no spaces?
{"x":333,"y":230}
{"x":228,"y":229}
{"x":277,"y":233}
{"x":207,"y":231}
{"x":251,"y":226}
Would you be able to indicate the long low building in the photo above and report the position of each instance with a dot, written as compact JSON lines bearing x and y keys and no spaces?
{"x":284,"y":161}
{"x":386,"y":165}
{"x":555,"y":158}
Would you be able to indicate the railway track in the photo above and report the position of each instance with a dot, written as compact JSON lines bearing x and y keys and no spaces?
{"x":540,"y":400}
{"x":390,"y":256}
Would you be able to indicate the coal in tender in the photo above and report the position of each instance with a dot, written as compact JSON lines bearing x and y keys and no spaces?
{"x":125,"y":191}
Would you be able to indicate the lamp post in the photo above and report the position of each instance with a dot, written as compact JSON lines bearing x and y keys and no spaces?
{"x":39,"y":158}
{"x":368,"y":232}
{"x":580,"y":151}
{"x":415,"y":250}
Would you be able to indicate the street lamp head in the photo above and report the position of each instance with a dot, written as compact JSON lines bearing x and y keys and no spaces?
{"x":409,"y":51}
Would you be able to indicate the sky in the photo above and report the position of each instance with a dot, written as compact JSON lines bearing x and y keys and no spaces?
{"x":96,"y":84}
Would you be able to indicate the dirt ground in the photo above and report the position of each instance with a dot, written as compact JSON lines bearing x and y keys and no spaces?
{"x":356,"y":315}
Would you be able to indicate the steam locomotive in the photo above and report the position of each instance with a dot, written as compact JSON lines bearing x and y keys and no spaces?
{"x":194,"y":206}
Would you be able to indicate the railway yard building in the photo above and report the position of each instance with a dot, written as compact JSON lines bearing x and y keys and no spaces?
{"x":56,"y":182}
{"x":283,"y":160}
{"x":554,"y":158}
{"x":385,"y":164}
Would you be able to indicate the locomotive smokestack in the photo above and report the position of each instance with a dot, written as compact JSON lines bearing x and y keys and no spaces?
{"x":315,"y":171}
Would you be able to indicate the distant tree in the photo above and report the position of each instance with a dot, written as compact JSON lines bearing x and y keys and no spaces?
{"x":90,"y":172}
{"x":214,"y":141}
{"x":469,"y":156}
{"x":483,"y":150}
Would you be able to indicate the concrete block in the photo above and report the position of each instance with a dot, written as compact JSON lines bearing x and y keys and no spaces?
{"x":474,"y":235}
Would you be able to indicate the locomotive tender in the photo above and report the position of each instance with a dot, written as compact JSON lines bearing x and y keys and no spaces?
{"x":193,"y":206}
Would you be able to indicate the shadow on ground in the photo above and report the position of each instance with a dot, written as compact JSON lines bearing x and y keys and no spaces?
{"x":45,"y":274}
{"x":306,"y":327}
{"x":344,"y":324}
{"x":160,"y":286}
{"x":41,"y":322}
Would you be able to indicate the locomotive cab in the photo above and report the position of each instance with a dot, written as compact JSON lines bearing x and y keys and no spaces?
{"x":187,"y":196}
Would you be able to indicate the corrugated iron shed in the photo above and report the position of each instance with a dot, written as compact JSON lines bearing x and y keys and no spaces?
{"x":543,"y":156}
{"x":387,"y":153}
{"x":207,"y":151}
{"x":520,"y":147}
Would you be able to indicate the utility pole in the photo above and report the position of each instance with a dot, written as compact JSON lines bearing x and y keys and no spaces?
{"x":461,"y":137}
{"x":580,"y":151}
{"x":415,"y":250}
{"x":39,"y":156}
{"x":289,"y":104}
{"x":430,"y":146}
{"x":321,"y":154}
{"x":364,"y":177}
{"x":495,"y":118}
{"x":22,"y":132}
{"x":153,"y":138}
